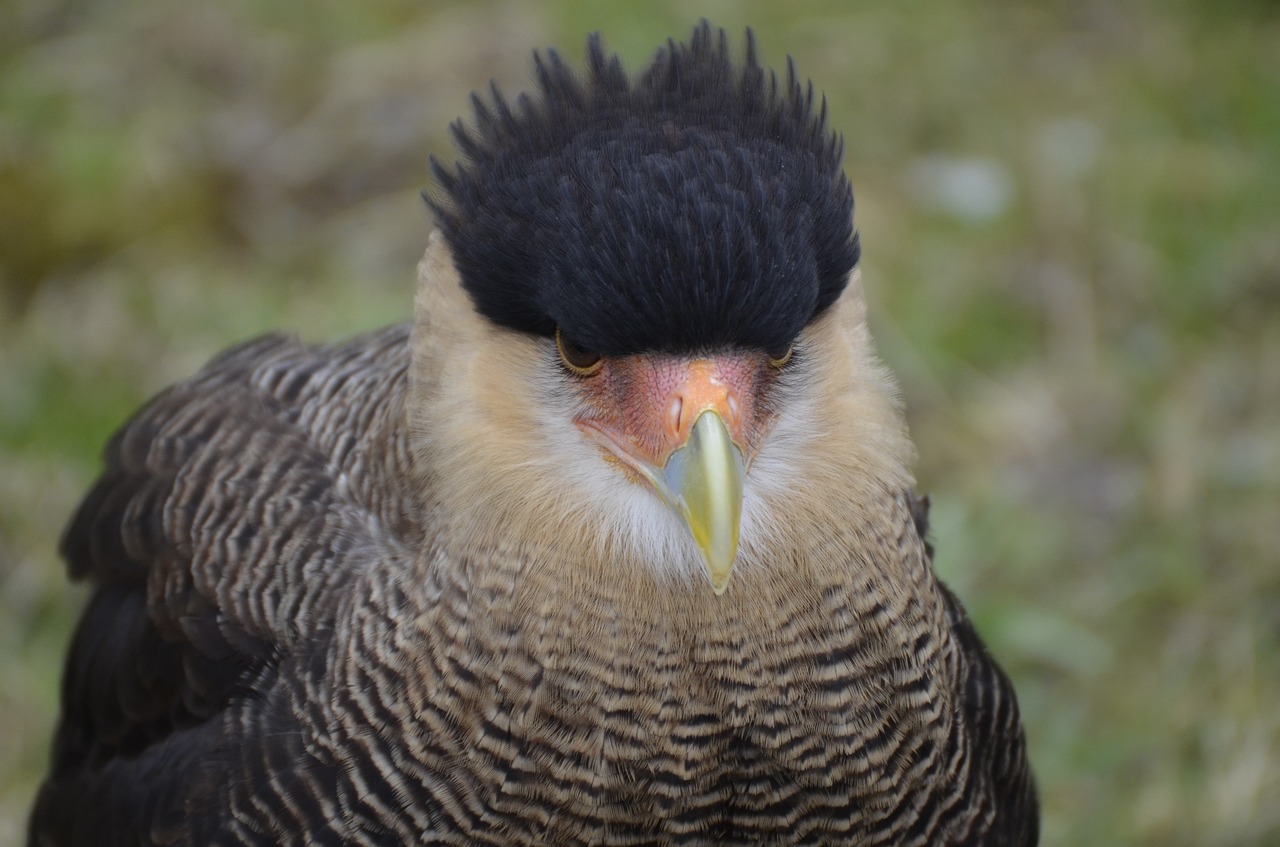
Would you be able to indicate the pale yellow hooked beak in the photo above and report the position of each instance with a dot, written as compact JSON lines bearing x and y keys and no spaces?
{"x":702,"y":483}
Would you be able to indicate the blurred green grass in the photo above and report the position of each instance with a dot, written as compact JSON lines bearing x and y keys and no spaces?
{"x":1071,"y":220}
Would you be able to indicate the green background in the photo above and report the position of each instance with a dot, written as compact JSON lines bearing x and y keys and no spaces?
{"x":1070,"y":214}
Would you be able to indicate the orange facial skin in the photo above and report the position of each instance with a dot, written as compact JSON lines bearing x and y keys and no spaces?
{"x":645,"y":405}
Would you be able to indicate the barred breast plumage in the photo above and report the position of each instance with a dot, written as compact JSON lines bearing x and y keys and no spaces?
{"x":401,"y":590}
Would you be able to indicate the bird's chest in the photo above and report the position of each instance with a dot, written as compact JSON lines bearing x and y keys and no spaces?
{"x":582,"y":729}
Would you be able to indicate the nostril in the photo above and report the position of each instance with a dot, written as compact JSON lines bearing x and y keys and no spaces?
{"x":731,"y":400}
{"x":675,"y":409}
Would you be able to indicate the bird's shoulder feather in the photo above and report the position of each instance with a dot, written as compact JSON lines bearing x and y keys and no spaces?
{"x":991,"y":717}
{"x":232,"y":511}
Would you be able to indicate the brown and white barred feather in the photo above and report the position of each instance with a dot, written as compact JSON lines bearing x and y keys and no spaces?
{"x":290,"y":642}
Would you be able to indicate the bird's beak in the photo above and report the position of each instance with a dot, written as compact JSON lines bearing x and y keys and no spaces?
{"x":691,"y":451}
{"x":702,"y":483}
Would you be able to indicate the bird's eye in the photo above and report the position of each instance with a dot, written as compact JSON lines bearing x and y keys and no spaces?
{"x":781,"y":355}
{"x":579,"y":361}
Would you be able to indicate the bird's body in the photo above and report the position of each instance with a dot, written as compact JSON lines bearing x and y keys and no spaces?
{"x":418,"y":588}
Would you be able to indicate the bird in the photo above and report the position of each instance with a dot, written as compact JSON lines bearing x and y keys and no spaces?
{"x":615,"y":542}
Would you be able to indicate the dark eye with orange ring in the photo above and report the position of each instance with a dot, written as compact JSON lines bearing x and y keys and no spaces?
{"x":579,"y":362}
{"x":780,"y":356}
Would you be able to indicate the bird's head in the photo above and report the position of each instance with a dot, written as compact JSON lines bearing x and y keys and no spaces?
{"x":636,"y":327}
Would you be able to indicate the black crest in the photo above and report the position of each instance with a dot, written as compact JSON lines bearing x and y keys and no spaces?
{"x":698,"y":207}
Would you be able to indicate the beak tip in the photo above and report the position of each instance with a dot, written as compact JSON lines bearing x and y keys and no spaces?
{"x":719,"y":570}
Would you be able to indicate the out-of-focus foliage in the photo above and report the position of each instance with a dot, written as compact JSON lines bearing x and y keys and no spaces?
{"x":1071,"y":221}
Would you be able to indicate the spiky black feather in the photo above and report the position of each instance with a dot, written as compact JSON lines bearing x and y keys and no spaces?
{"x":700,"y":206}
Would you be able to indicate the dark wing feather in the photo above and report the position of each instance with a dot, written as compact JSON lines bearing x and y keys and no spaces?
{"x":217,"y":540}
{"x":994,"y":725}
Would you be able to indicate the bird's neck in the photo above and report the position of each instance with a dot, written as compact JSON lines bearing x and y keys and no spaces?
{"x":538,"y":675}
{"x":863,"y":582}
